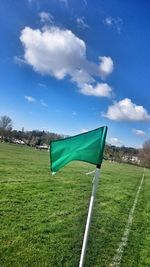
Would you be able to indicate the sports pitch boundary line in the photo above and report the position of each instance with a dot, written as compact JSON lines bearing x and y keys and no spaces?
{"x":119,"y":252}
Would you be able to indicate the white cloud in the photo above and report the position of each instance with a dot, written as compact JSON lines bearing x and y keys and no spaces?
{"x":33,"y":100}
{"x":60,"y":53}
{"x":100,"y":90}
{"x":106,"y":66}
{"x":81,"y":77}
{"x":46,"y":17}
{"x":30,"y":98}
{"x":115,"y":141}
{"x":125,"y":110}
{"x":81,"y":23}
{"x":139,"y":132}
{"x":53,"y":51}
{"x":114,"y":23}
{"x":108,"y":21}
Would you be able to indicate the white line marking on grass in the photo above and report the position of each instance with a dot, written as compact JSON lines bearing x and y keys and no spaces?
{"x":118,"y":256}
{"x":89,"y":173}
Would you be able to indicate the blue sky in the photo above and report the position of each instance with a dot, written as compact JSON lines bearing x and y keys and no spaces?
{"x":69,"y":66}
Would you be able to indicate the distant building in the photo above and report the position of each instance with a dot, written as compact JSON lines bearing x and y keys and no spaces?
{"x":17,"y":141}
{"x":43,"y":147}
{"x":131,"y":159}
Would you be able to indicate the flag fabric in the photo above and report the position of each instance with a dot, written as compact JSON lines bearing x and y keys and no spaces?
{"x":86,"y":147}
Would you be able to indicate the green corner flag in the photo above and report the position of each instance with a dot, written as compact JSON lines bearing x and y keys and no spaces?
{"x":86,"y":147}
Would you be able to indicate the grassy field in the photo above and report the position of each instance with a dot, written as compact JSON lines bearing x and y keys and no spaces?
{"x":43,"y":216}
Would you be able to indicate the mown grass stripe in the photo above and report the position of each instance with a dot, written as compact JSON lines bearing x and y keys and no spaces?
{"x":119,"y":253}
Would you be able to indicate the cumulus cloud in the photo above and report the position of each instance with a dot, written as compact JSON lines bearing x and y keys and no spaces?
{"x":46,"y":17}
{"x":81,"y":23}
{"x":125,"y":110}
{"x":115,"y":141}
{"x":53,"y":51}
{"x":139,"y":132}
{"x":106,"y":66}
{"x":60,"y":53}
{"x":81,"y":77}
{"x":30,"y":98}
{"x":100,"y":90}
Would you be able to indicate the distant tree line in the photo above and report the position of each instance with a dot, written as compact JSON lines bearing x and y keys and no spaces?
{"x":35,"y":137}
{"x":38,"y":138}
{"x":120,"y":154}
{"x":32,"y":138}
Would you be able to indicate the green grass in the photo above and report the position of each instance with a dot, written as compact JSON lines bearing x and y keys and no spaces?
{"x":43,"y":216}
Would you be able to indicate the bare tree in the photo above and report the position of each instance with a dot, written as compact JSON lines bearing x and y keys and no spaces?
{"x":145,"y":154}
{"x":5,"y":126}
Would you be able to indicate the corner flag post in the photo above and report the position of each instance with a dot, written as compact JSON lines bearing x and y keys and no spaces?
{"x":89,"y":217}
{"x":88,"y":147}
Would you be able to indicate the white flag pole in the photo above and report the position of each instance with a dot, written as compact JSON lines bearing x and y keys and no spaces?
{"x":88,"y":222}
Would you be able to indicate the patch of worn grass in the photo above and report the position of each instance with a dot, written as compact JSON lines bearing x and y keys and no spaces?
{"x":43,"y":216}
